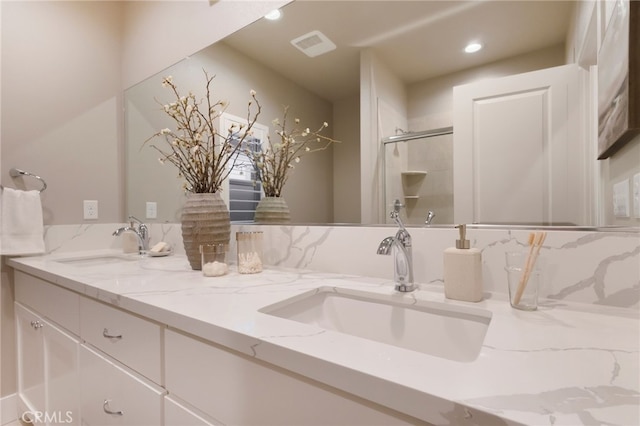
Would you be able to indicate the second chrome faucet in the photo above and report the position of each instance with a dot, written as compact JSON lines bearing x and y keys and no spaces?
{"x":403,"y":259}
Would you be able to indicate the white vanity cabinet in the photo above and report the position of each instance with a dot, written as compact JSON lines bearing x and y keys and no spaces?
{"x":112,"y":394}
{"x":48,"y":379}
{"x":84,"y":362}
{"x":237,"y":389}
{"x":108,"y":366}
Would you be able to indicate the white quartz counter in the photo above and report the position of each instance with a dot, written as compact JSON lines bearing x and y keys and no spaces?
{"x":563,"y":364}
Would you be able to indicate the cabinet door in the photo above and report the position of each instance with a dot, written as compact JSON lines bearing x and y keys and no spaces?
{"x":112,"y":395}
{"x":48,"y":379}
{"x":62,"y":376}
{"x":177,"y":414}
{"x":520,"y":151}
{"x":31,"y":384}
{"x":240,"y":390}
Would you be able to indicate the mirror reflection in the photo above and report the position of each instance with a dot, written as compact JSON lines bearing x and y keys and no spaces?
{"x":414,"y":48}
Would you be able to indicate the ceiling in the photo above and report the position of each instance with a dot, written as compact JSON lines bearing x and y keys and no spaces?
{"x":417,"y":39}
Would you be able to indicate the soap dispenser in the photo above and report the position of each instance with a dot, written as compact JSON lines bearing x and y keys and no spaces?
{"x":130,"y":241}
{"x":463,"y":270}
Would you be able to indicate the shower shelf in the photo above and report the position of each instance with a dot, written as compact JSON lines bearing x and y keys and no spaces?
{"x":414,"y":173}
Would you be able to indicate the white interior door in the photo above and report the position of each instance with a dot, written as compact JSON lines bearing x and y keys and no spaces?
{"x":520,"y":149}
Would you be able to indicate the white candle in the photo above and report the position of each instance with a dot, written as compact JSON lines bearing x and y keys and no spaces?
{"x":214,"y":269}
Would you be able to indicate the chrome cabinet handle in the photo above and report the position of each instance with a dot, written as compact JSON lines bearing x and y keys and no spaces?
{"x":106,"y":335}
{"x":105,"y":407}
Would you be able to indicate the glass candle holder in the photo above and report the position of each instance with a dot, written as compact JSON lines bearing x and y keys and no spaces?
{"x":249,"y":252}
{"x":214,"y":259}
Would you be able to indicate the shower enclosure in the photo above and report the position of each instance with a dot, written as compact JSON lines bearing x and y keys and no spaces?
{"x":418,"y":171}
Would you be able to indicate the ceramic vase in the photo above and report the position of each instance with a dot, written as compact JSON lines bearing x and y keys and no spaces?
{"x":272,"y":210}
{"x":205,"y":220}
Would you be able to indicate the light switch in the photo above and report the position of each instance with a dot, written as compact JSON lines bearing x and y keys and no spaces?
{"x":636,"y":195}
{"x":152,"y":210}
{"x":621,"y":199}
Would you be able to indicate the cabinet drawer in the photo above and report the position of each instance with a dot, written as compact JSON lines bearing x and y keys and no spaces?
{"x":239,"y":390}
{"x":132,"y":340}
{"x":113,"y":395}
{"x":49,"y":300}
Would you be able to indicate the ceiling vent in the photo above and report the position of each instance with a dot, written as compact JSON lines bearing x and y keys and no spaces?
{"x":313,"y":44}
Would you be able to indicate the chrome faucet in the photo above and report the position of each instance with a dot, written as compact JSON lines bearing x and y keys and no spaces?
{"x":430,"y":216}
{"x":142,"y":232}
{"x":403,"y":260}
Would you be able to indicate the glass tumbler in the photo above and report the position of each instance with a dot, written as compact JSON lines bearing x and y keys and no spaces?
{"x":214,"y":259}
{"x":249,"y":252}
{"x":524,"y":279}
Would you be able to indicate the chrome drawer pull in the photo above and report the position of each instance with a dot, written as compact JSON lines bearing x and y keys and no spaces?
{"x":108,"y":410}
{"x":106,"y":334}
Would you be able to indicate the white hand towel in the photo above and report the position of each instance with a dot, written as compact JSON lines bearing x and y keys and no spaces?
{"x":21,"y":228}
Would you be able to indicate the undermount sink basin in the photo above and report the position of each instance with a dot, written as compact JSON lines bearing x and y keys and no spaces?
{"x":440,"y":329}
{"x":96,"y":260}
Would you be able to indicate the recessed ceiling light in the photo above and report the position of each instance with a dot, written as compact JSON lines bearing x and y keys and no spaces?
{"x":473,"y":47}
{"x":273,"y":15}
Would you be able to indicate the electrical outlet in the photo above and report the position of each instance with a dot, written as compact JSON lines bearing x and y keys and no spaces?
{"x":152,"y":210}
{"x":90,"y":209}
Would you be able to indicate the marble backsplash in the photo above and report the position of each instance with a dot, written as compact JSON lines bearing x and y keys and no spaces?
{"x":592,"y":267}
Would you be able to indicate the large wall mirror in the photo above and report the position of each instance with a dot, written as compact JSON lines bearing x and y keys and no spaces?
{"x":420,"y":43}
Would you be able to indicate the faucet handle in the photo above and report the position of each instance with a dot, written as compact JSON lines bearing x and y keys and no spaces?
{"x":395,"y":213}
{"x":430,"y":216}
{"x":136,"y":219}
{"x":397,"y":205}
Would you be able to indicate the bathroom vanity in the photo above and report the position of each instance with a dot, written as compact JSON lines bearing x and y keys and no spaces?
{"x":147,"y":341}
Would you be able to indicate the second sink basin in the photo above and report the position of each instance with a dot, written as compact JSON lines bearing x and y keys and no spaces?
{"x":440,"y":329}
{"x":97,"y":260}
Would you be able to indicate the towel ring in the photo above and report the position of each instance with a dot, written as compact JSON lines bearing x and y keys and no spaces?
{"x":17,"y":173}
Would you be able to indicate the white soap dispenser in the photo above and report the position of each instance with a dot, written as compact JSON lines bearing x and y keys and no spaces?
{"x":463,"y":270}
{"x":129,"y":241}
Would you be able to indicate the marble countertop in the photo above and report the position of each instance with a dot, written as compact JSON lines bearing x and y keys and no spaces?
{"x":562,"y":364}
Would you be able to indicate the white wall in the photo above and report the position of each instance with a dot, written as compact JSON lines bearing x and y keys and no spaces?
{"x":430,"y":102}
{"x":346,"y":161}
{"x":383,"y":102}
{"x":61,"y":97}
{"x":158,"y":34}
